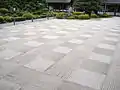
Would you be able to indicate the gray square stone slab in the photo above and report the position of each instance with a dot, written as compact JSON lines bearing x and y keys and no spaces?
{"x":87,"y":78}
{"x":95,"y":66}
{"x":11,"y":38}
{"x":86,"y":35}
{"x":27,"y":77}
{"x":107,"y":46}
{"x":7,"y":85}
{"x":101,"y":58}
{"x":8,"y":54}
{"x":50,"y":37}
{"x":103,"y":51}
{"x":64,"y":50}
{"x":33,"y":43}
{"x":114,"y":39}
{"x":39,"y":64}
{"x":76,"y":41}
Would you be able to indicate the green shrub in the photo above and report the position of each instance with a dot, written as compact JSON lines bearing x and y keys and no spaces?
{"x":19,"y":13}
{"x":71,"y":17}
{"x":94,"y":16}
{"x":15,"y":15}
{"x":77,"y":13}
{"x":8,"y":19}
{"x":1,"y":19}
{"x":55,"y":13}
{"x":61,"y":15}
{"x":86,"y":16}
{"x":36,"y":16}
{"x":105,"y":15}
{"x":37,"y":12}
{"x":44,"y":15}
{"x":19,"y":19}
{"x":3,"y":11}
{"x":28,"y":15}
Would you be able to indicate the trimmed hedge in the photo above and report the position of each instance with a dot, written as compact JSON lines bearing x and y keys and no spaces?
{"x":3,"y":11}
{"x":61,"y":15}
{"x":8,"y":19}
{"x":94,"y":16}
{"x":105,"y":15}
{"x":37,"y":12}
{"x":1,"y":19}
{"x":19,"y":18}
{"x":86,"y":16}
{"x":71,"y":17}
{"x":28,"y":16}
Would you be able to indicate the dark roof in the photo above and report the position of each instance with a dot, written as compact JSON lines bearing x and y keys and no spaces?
{"x":113,"y":1}
{"x":58,"y":1}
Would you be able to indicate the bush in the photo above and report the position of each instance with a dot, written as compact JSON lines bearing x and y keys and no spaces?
{"x":44,"y":15}
{"x":3,"y":11}
{"x":105,"y":15}
{"x":61,"y":15}
{"x":77,"y":13}
{"x":71,"y":17}
{"x":28,"y":15}
{"x":8,"y":19}
{"x":36,"y":16}
{"x":86,"y":16}
{"x":94,"y":16}
{"x":15,"y":15}
{"x":19,"y":13}
{"x":37,"y":12}
{"x":19,"y":19}
{"x":1,"y":19}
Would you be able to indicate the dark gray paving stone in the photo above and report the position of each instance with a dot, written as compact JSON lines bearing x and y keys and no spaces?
{"x":103,"y":51}
{"x":72,"y":86}
{"x":87,"y":78}
{"x":27,"y":77}
{"x":95,"y":66}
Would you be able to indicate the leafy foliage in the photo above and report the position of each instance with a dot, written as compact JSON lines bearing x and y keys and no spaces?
{"x":88,"y":5}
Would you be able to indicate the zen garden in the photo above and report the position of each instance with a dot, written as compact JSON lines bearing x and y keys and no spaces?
{"x":59,"y":44}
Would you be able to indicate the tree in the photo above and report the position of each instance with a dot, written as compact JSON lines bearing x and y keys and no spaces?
{"x":25,"y":5}
{"x":88,"y":5}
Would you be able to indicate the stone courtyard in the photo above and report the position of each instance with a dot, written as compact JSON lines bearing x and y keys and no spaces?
{"x":61,"y":55}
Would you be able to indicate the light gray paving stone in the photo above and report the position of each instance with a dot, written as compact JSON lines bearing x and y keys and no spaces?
{"x":8,"y":54}
{"x":39,"y":64}
{"x":100,"y":57}
{"x":64,"y":50}
{"x":111,"y":39}
{"x":86,"y":35}
{"x":50,"y":37}
{"x":107,"y":46}
{"x":33,"y":43}
{"x":76,"y":41}
{"x":6,"y":85}
{"x":87,"y":78}
{"x":113,"y":34}
{"x":30,"y":33}
{"x":11,"y":38}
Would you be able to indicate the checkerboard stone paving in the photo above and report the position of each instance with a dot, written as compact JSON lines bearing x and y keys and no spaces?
{"x":53,"y":60}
